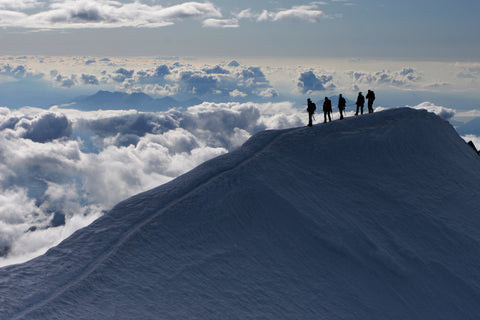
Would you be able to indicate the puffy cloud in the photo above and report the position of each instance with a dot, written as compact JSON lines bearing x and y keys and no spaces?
{"x":61,"y":168}
{"x":126,"y":73}
{"x":45,"y":127}
{"x":19,"y":4}
{"x":19,"y":72}
{"x":65,"y":81}
{"x":268,"y":93}
{"x":237,"y":93}
{"x":254,"y":73}
{"x":197,"y":83}
{"x":208,"y":81}
{"x":121,"y":74}
{"x":403,"y":78}
{"x":442,"y":112}
{"x":162,"y":71}
{"x":90,"y":79}
{"x":309,"y":82}
{"x":104,"y":14}
{"x":155,"y":76}
{"x":183,"y":81}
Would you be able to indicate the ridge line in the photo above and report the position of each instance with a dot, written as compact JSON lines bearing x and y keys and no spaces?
{"x":137,"y":226}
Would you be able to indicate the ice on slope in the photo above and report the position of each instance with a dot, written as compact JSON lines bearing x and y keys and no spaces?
{"x":373,"y":217}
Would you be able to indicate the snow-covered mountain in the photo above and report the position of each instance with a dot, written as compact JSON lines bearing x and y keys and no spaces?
{"x":372,"y":217}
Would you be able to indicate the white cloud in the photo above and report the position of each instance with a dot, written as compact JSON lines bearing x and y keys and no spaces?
{"x":89,"y":79}
{"x":308,"y":82}
{"x":45,"y":127}
{"x":183,"y":81}
{"x":403,"y":78}
{"x":65,"y":81}
{"x":309,"y":13}
{"x":221,"y":23}
{"x":207,"y":82}
{"x":268,"y":93}
{"x":237,"y":93}
{"x":106,"y":14}
{"x":19,"y":4}
{"x":246,"y":14}
{"x":442,"y":112}
{"x":19,"y":71}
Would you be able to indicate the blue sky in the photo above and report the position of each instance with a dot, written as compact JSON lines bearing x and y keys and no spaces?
{"x":424,"y":29}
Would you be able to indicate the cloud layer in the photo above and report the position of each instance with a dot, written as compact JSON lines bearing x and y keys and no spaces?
{"x":61,"y":168}
{"x":208,"y":82}
{"x":403,"y":78}
{"x":100,"y":14}
{"x":75,"y":14}
{"x":227,"y":79}
{"x":308,"y":82}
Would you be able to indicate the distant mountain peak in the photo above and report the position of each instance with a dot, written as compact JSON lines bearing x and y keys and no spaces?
{"x":120,"y":100}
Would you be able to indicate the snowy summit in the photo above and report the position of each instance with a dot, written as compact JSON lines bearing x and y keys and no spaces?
{"x":371,"y":217}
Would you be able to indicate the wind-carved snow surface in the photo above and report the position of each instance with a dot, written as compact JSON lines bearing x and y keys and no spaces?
{"x":372,"y":217}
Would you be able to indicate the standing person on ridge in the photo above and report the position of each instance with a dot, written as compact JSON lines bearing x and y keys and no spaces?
{"x":360,"y":103}
{"x":311,"y":107}
{"x":327,"y":110}
{"x":370,"y":97}
{"x":341,"y":105}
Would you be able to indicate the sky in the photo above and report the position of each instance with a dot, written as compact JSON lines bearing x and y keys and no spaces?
{"x":100,"y":100}
{"x":427,"y":29}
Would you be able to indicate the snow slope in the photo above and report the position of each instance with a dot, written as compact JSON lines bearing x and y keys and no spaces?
{"x":373,"y":217}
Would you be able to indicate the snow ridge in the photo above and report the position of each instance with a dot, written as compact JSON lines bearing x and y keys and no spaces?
{"x":136,"y":227}
{"x":373,"y":217}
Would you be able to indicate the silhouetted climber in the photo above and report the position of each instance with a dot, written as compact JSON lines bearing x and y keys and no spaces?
{"x":341,"y":105}
{"x":311,"y":107}
{"x":370,"y":97}
{"x":360,"y":103}
{"x":327,"y":110}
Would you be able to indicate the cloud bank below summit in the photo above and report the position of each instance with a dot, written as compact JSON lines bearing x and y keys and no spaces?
{"x":61,"y":168}
{"x":220,"y":82}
